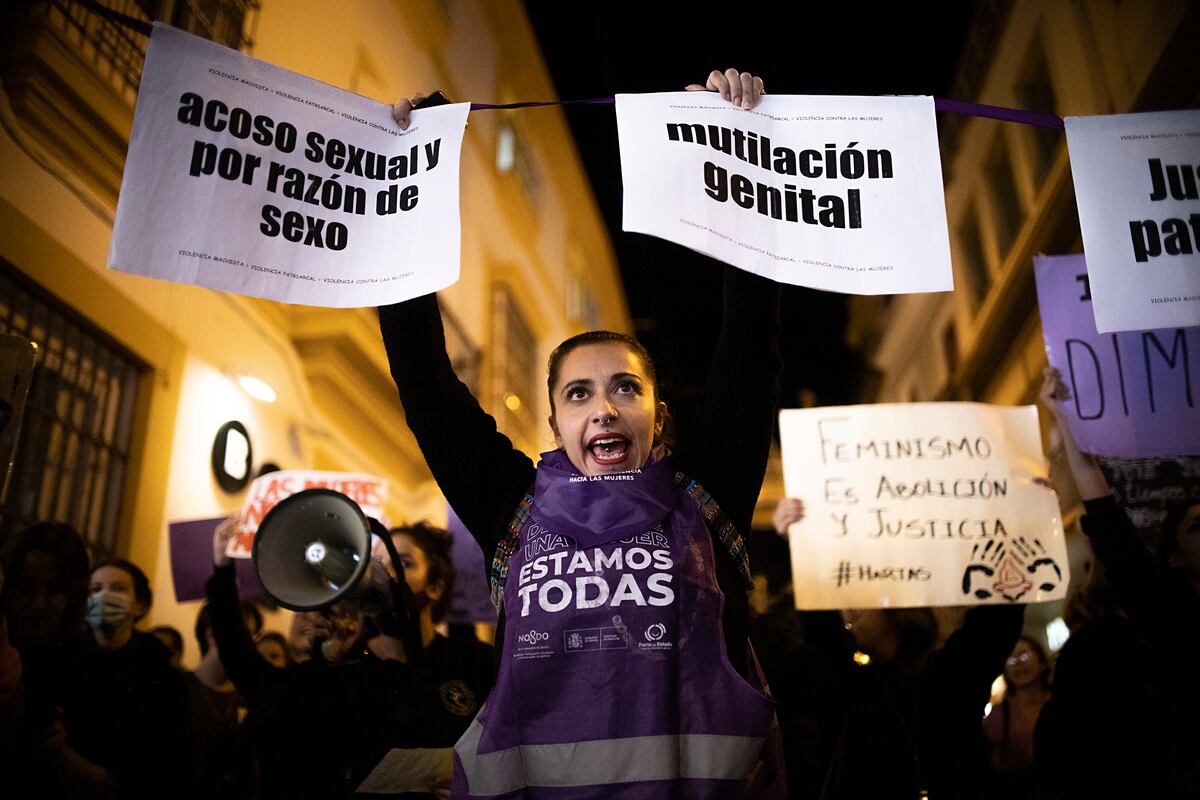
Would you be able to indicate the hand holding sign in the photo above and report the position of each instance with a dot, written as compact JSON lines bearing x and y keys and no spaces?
{"x":740,"y":88}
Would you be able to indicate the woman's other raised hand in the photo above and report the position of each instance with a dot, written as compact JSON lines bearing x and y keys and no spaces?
{"x":740,"y":88}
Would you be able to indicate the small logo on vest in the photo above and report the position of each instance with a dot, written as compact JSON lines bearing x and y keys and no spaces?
{"x":655,"y":632}
{"x":533,"y":637}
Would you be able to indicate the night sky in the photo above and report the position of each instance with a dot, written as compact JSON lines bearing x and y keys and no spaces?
{"x":598,"y":49}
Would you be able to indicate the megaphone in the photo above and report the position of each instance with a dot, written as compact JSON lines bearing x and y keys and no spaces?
{"x":312,"y":549}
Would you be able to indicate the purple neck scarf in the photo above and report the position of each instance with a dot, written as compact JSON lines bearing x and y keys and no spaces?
{"x":594,"y":509}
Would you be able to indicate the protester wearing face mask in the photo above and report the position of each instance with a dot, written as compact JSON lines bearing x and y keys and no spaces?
{"x":132,"y":713}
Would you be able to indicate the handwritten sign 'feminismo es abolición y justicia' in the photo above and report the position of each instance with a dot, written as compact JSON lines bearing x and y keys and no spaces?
{"x":921,"y":504}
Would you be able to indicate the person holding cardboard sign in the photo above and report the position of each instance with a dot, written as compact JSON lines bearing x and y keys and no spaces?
{"x":606,"y":559}
{"x":1159,"y":595}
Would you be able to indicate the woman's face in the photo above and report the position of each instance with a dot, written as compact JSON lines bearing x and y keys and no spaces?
{"x":1024,"y":667}
{"x":116,"y":581}
{"x":415,"y":563}
{"x":605,"y":415}
{"x":36,"y":601}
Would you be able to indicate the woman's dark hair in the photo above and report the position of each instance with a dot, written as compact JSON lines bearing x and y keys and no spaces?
{"x":279,"y":639}
{"x":916,"y":631}
{"x":554,"y":365}
{"x":1168,"y":534}
{"x":66,"y":547}
{"x":251,"y":616}
{"x":141,"y":584}
{"x":174,"y":636}
{"x":435,"y":544}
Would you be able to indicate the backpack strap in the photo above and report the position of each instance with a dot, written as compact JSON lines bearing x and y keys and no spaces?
{"x":719,"y":525}
{"x":498,"y":573}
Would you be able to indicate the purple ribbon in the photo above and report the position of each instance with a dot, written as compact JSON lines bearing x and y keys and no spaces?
{"x":1036,"y":118}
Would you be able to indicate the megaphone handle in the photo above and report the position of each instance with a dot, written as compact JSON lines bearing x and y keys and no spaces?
{"x":402,"y":602}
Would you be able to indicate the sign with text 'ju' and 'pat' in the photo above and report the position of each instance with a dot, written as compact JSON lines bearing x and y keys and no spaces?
{"x":245,"y":177}
{"x":1137,"y":185}
{"x":1133,"y":394}
{"x":836,"y":193}
{"x":921,"y":504}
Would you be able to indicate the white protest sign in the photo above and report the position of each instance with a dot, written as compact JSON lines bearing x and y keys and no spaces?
{"x":921,"y":504}
{"x":1136,"y":185}
{"x":837,"y":193}
{"x":245,"y":177}
{"x":368,"y":491}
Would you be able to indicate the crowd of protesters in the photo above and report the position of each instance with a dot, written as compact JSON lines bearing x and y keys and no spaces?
{"x":862,"y":703}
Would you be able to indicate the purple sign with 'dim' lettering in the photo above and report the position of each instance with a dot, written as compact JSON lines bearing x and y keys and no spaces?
{"x":1133,"y":394}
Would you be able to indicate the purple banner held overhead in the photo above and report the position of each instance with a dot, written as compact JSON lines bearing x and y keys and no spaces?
{"x":192,"y":560}
{"x":1133,"y":394}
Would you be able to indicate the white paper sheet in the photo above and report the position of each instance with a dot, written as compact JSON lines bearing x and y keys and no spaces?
{"x":837,"y":193}
{"x":1137,"y":185}
{"x":245,"y":177}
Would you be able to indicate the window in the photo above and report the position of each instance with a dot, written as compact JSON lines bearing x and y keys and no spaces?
{"x":464,"y":355}
{"x":73,"y":452}
{"x":514,"y":353}
{"x":226,"y":22}
{"x":513,"y":154}
{"x":1006,"y":204}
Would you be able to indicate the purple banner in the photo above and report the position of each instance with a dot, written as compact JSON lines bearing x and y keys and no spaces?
{"x":192,"y":564}
{"x":1133,"y":394}
{"x":471,"y":602}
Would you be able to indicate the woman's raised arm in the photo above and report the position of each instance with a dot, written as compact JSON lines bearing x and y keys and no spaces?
{"x":478,"y":470}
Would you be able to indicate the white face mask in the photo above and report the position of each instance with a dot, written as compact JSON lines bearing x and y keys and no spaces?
{"x":108,"y":610}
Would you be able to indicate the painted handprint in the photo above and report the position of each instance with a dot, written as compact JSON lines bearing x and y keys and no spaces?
{"x":1010,"y":570}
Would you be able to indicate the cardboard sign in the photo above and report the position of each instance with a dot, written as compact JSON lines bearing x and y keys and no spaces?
{"x":1132,"y":394}
{"x":921,"y":504}
{"x":1148,"y":488}
{"x":248,"y":178}
{"x":368,"y":491}
{"x":837,"y":193}
{"x":191,"y":546}
{"x":1137,"y":184}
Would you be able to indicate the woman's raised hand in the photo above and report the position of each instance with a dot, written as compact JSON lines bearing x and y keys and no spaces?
{"x":740,"y":88}
{"x":789,"y":510}
{"x":1054,"y":391}
{"x":402,"y":110}
{"x":221,"y":536}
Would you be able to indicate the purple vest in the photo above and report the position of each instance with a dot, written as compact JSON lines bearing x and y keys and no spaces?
{"x":615,"y":682}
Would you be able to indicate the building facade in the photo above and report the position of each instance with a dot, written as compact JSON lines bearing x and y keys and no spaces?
{"x":138,"y":376}
{"x":1009,"y":197}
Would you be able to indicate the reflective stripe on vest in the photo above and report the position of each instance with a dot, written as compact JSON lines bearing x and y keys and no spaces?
{"x":605,"y":761}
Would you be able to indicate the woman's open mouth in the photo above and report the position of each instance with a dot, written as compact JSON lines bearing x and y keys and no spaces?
{"x":608,"y":449}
